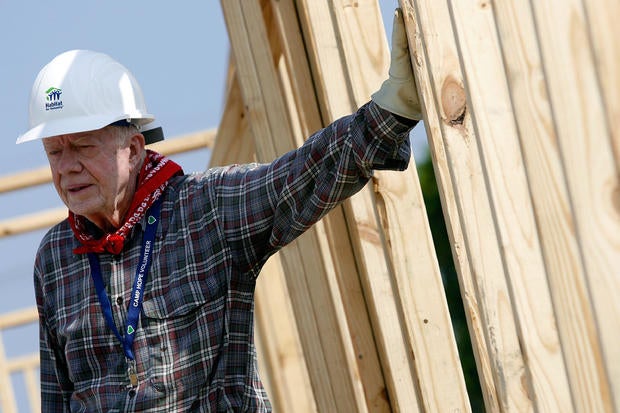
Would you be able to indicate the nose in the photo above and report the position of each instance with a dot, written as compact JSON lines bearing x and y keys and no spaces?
{"x":68,"y":161}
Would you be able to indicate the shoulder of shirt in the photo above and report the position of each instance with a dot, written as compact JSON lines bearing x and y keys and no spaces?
{"x":210,"y":174}
{"x":57,"y":234}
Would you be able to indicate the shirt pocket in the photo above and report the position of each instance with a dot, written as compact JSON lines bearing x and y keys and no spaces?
{"x":185,"y":333}
{"x":184,"y":292}
{"x":173,"y":305}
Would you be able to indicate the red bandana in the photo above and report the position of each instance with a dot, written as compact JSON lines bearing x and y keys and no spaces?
{"x":153,"y":179}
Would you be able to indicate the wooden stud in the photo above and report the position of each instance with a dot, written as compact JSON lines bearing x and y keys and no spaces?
{"x":281,"y":363}
{"x":592,"y":179}
{"x":475,"y":216}
{"x":333,"y":228}
{"x":327,"y":347}
{"x":358,"y":32}
{"x":445,"y":184}
{"x":492,"y":116}
{"x":327,"y":35}
{"x":8,"y":366}
{"x":604,"y":31}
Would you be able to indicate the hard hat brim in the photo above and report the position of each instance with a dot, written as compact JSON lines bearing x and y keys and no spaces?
{"x":77,"y":125}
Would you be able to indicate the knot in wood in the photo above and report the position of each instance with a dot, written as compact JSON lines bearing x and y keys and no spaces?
{"x":453,"y":101}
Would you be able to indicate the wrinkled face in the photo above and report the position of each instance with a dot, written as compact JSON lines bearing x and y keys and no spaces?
{"x":95,"y":172}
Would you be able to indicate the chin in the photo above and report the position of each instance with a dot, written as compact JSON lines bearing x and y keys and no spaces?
{"x":83,"y":210}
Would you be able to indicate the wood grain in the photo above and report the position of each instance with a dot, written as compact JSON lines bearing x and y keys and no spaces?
{"x":503,"y":166}
{"x":592,"y":180}
{"x":473,"y":217}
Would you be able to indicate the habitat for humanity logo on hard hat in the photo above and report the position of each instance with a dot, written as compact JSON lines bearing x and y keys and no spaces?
{"x":52,"y":97}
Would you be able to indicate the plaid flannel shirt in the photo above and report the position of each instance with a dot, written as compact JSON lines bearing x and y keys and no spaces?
{"x":194,"y":344}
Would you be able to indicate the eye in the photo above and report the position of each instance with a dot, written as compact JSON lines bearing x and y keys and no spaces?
{"x":87,"y":149}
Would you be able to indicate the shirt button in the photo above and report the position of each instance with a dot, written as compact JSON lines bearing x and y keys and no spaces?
{"x":157,"y":386}
{"x":119,"y":300}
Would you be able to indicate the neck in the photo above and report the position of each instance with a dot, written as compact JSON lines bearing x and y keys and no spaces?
{"x":111,"y":220}
{"x":108,"y":224}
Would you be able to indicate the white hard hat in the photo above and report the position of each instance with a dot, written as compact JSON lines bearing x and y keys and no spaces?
{"x":80,"y":91}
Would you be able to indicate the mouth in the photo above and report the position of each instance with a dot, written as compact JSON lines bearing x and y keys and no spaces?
{"x":76,"y":189}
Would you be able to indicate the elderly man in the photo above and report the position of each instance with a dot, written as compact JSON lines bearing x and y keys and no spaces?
{"x":145,"y":292}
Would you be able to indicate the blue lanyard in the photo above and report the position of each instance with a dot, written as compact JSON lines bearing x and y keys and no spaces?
{"x":137,"y":293}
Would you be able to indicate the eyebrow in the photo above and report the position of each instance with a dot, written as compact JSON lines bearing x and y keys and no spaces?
{"x":75,"y":141}
{"x":80,"y":139}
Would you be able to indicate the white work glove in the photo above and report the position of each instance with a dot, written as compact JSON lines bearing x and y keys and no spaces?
{"x":399,"y":94}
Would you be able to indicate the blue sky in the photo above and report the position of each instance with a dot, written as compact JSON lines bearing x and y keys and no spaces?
{"x":179,"y":56}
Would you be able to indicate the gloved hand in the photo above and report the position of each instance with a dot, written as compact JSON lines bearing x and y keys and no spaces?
{"x":399,"y":93}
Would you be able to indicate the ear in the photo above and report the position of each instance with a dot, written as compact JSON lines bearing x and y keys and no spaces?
{"x":137,"y":149}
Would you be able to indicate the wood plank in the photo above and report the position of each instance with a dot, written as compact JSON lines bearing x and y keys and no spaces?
{"x":592,"y":179}
{"x":474,"y":208}
{"x":328,"y":28}
{"x":23,"y":363}
{"x":31,"y":378}
{"x":448,"y":200}
{"x":297,"y":66}
{"x":416,"y":278}
{"x":417,"y":281}
{"x":326,"y":346}
{"x":32,"y":222}
{"x":334,"y":234}
{"x":604,"y":32}
{"x":28,"y":364}
{"x":7,"y":398}
{"x":492,"y":117}
{"x":364,"y":66}
{"x":18,"y":317}
{"x":552,"y":206}
{"x":25,"y":179}
{"x":233,"y":142}
{"x":322,"y":47}
{"x":290,"y":389}
{"x":185,"y":143}
{"x":390,"y":331}
{"x":409,"y":255}
{"x":281,"y":364}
